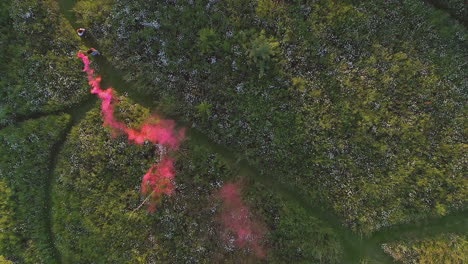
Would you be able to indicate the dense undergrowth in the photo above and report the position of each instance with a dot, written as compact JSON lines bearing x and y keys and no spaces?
{"x":37,"y":73}
{"x":456,"y":8}
{"x":360,"y":104}
{"x":448,"y":248}
{"x":97,"y":189}
{"x":25,"y":153}
{"x":357,"y":104}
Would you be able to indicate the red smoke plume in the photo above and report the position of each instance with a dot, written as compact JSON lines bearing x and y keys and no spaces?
{"x":155,"y":130}
{"x":237,"y":221}
{"x":158,"y":181}
{"x":159,"y":178}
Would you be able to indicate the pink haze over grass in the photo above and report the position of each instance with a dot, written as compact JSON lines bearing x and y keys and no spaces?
{"x":160,"y":177}
{"x":236,"y":219}
{"x":159,"y":180}
{"x":155,"y":130}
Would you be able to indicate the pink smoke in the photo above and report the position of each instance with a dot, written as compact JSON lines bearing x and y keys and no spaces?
{"x":158,"y":181}
{"x":237,"y":221}
{"x":159,"y":178}
{"x":160,"y":132}
{"x":155,"y":130}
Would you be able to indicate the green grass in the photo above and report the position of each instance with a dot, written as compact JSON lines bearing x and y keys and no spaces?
{"x":26,"y":150}
{"x":97,"y":188}
{"x":359,"y":104}
{"x":353,"y":107}
{"x":447,"y":248}
{"x":39,"y":72}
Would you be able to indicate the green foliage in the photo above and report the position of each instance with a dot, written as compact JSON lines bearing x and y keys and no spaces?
{"x":264,"y":7}
{"x":268,"y":9}
{"x":38,"y":51}
{"x":4,"y":261}
{"x":261,"y":51}
{"x":300,"y":84}
{"x":209,"y":40}
{"x":456,"y":8}
{"x":368,"y":261}
{"x":358,"y":104}
{"x":92,"y":11}
{"x":25,"y":153}
{"x":395,"y":118}
{"x":302,"y":238}
{"x":97,"y":190}
{"x":204,"y":109}
{"x":8,"y":240}
{"x":446,"y":249}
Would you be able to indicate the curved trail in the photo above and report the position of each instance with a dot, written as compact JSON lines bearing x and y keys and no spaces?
{"x":355,"y":247}
{"x":75,"y":111}
{"x":76,"y":114}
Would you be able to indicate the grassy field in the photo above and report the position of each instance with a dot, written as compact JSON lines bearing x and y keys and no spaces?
{"x":341,"y":120}
{"x":26,"y":151}
{"x":360,"y":105}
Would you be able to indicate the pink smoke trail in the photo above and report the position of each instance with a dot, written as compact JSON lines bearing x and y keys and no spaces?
{"x":159,"y":178}
{"x":236,"y":219}
{"x":155,"y":130}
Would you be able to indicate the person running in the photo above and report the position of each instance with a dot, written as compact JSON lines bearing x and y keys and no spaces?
{"x":81,"y":32}
{"x":93,"y":52}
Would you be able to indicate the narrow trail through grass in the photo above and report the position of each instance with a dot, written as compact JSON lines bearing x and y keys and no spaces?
{"x":76,"y":114}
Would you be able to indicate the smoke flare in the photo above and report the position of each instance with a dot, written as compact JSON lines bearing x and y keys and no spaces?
{"x":155,"y":130}
{"x":160,"y":177}
{"x":159,"y":180}
{"x":236,"y":219}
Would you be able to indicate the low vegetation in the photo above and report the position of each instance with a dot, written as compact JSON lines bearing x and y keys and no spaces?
{"x":25,"y":160}
{"x":38,"y":73}
{"x":448,"y":248}
{"x":358,"y":104}
{"x":97,"y":191}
